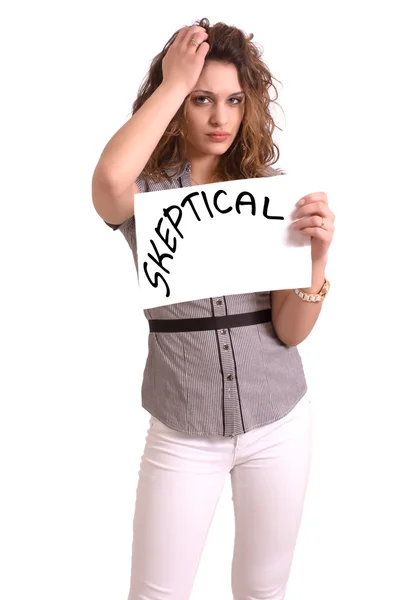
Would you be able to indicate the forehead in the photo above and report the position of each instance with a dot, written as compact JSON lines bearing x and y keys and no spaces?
{"x":219,"y":78}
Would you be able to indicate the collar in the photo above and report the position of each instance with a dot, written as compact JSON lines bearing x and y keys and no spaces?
{"x":185,"y":168}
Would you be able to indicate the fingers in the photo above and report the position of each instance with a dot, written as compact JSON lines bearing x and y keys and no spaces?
{"x":202,"y":50}
{"x":185,"y":36}
{"x":184,"y":59}
{"x":311,"y":214}
{"x":317,"y":232}
{"x":199,"y":34}
{"x":319,"y":207}
{"x":314,"y":221}
{"x":179,"y":36}
{"x":321,"y":196}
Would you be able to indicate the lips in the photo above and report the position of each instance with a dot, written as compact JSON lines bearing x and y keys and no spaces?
{"x":218,"y":137}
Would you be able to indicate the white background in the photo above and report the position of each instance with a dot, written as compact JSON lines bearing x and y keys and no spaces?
{"x":74,"y":340}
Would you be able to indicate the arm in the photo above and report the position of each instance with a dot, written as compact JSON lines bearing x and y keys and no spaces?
{"x":122,"y":160}
{"x":292,"y":318}
{"x":130,"y":148}
{"x":128,"y":151}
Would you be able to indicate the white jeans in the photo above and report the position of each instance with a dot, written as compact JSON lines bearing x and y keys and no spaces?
{"x":180,"y":481}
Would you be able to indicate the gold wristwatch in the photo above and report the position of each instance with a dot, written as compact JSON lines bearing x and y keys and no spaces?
{"x":314,"y":297}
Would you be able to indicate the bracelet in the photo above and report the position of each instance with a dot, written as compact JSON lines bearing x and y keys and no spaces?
{"x":319,"y":297}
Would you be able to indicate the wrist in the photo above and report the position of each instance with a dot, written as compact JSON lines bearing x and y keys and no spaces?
{"x":179,"y":90}
{"x":320,"y":263}
{"x":318,"y":277}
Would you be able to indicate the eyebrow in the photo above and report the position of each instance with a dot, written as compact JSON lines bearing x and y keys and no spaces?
{"x":212,"y":93}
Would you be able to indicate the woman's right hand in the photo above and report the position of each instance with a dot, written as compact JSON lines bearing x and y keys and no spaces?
{"x":184,"y":61}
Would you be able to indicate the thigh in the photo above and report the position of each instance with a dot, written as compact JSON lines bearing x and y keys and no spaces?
{"x":269,"y":483}
{"x":180,"y":481}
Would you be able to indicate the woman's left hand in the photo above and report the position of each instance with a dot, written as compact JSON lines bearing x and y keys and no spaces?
{"x":317,"y":221}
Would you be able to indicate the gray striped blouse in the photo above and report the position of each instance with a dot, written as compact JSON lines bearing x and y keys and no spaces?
{"x":215,"y":382}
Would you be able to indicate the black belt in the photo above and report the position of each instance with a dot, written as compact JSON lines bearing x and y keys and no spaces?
{"x":203,"y":323}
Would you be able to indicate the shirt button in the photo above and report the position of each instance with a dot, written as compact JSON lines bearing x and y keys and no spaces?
{"x":223,"y":331}
{"x":219,"y":302}
{"x":225,"y":346}
{"x":229,"y":377}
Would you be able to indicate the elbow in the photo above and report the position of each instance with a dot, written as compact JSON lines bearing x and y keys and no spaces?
{"x":288,"y":340}
{"x":292,"y":342}
{"x":285,"y":340}
{"x":288,"y":343}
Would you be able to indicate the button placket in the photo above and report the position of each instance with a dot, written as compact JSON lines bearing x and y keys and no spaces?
{"x":231,"y":401}
{"x":231,"y":394}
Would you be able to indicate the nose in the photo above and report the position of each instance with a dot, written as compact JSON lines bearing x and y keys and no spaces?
{"x":219,"y":115}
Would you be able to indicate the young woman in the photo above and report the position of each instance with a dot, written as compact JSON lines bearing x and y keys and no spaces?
{"x":223,"y":381}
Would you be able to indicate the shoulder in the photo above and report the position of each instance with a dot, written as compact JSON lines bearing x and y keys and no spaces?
{"x":147,"y":183}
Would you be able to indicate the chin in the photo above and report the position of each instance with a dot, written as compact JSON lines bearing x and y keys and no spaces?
{"x":217,"y":149}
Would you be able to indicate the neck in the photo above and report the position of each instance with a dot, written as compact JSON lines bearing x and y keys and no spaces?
{"x":203,"y":168}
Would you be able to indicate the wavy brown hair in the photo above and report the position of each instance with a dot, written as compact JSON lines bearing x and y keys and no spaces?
{"x":253,"y":149}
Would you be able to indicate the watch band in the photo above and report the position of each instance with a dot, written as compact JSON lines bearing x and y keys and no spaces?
{"x":318,"y":297}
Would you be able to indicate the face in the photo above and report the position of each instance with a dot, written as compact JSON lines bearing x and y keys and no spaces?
{"x":215,"y":106}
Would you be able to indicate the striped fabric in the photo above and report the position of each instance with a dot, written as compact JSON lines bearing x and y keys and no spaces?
{"x":221,"y":382}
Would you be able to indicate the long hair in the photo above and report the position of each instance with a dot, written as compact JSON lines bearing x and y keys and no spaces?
{"x":253,"y":149}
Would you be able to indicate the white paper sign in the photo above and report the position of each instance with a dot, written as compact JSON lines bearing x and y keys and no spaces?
{"x":219,"y":239}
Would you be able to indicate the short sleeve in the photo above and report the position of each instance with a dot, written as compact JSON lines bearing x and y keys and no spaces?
{"x":115,"y":227}
{"x":143,"y":187}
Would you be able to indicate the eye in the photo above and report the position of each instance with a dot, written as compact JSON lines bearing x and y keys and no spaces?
{"x":238,"y":100}
{"x":199,"y":99}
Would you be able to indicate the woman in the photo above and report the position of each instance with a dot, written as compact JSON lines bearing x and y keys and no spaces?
{"x":223,"y":381}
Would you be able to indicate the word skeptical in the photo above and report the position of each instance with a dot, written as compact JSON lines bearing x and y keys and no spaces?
{"x":243,"y":199}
